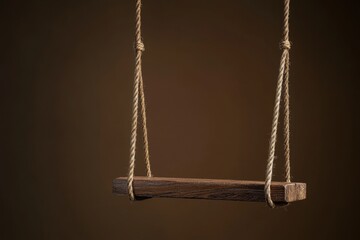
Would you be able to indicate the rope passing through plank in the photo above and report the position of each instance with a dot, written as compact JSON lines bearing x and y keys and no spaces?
{"x":138,"y":89}
{"x":282,"y":83}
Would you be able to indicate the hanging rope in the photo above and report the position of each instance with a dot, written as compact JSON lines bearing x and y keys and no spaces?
{"x":138,"y":86}
{"x":283,"y":81}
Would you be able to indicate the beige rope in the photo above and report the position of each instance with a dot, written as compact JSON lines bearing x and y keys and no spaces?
{"x":287,"y":120}
{"x":283,"y":79}
{"x":138,"y":86}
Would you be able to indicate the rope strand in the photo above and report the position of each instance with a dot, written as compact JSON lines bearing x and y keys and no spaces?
{"x":138,"y":86}
{"x":144,"y":127}
{"x":287,"y":121}
{"x":283,"y":79}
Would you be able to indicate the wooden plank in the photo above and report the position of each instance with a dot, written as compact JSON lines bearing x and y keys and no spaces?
{"x":214,"y":189}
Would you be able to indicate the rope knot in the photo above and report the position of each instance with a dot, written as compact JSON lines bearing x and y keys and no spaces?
{"x":139,"y":46}
{"x":285,"y":45}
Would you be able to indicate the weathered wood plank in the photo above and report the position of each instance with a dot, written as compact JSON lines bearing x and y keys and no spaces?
{"x":214,"y":189}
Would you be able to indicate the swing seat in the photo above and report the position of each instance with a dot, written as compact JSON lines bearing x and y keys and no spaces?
{"x":211,"y":189}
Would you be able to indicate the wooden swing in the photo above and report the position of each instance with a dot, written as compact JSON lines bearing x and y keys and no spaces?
{"x":274,"y":193}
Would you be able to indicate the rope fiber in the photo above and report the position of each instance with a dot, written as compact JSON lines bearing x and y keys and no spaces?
{"x":138,"y":89}
{"x":282,"y":83}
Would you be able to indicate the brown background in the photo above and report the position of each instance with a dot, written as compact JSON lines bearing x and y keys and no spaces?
{"x":210,"y":71}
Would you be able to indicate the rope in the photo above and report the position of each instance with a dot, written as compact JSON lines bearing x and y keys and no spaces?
{"x":138,"y":88}
{"x":283,"y":81}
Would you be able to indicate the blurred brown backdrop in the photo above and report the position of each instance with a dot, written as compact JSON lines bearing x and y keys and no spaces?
{"x":210,"y":70}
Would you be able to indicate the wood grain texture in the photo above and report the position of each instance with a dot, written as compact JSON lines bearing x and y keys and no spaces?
{"x":214,"y":189}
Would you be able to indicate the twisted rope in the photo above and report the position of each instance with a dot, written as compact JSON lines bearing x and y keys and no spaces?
{"x":138,"y":86}
{"x":283,"y":81}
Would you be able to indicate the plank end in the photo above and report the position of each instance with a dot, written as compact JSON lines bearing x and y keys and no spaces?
{"x":295,"y":192}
